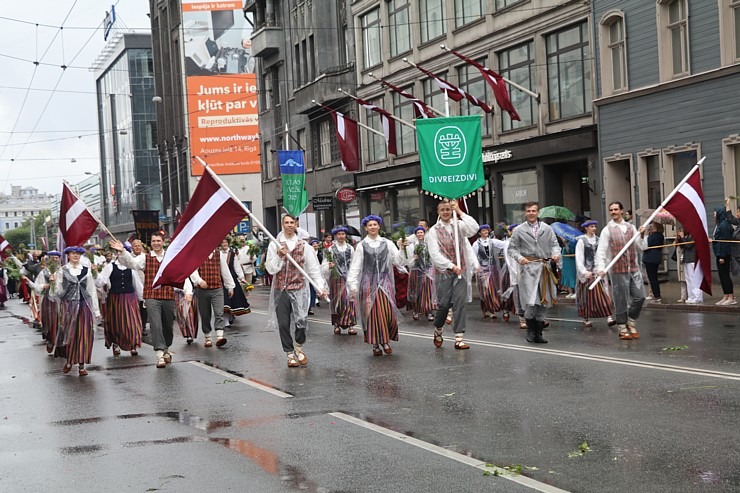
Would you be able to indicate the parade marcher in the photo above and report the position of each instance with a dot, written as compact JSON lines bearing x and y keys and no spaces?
{"x":316,"y":245}
{"x":328,"y":241}
{"x":628,"y":292}
{"x":3,"y":286}
{"x":246,"y":260}
{"x":370,"y":282}
{"x":160,"y":302}
{"x":335,"y":267}
{"x":186,"y":312}
{"x":687,"y":263}
{"x":569,"y":276}
{"x":453,"y":275}
{"x":592,"y":303}
{"x":289,"y":296}
{"x":79,"y":306}
{"x":122,"y":317}
{"x":236,"y":304}
{"x":534,"y":246}
{"x":509,"y":283}
{"x":137,"y":250}
{"x":49,"y":304}
{"x":212,"y":283}
{"x":421,"y":292}
{"x":722,"y":248}
{"x":652,"y":258}
{"x":489,"y":278}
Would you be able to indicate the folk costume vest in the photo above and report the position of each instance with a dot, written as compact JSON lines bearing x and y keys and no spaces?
{"x":121,"y":280}
{"x":150,"y":272}
{"x":289,"y":279}
{"x":210,"y":271}
{"x":627,"y":262}
{"x":446,"y":240}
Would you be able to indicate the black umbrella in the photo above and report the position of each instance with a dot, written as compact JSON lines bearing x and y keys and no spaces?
{"x":353,"y":231}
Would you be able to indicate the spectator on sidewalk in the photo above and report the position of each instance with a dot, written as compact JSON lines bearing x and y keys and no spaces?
{"x":723,"y":252}
{"x":687,"y":259}
{"x":652,"y":258}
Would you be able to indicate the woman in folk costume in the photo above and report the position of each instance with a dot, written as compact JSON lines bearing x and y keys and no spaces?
{"x":236,"y":304}
{"x":335,"y":267}
{"x":49,"y":305}
{"x":488,"y":277}
{"x":592,"y":303}
{"x":421,"y":293}
{"x":186,"y":311}
{"x":371,"y":280}
{"x":123,"y":325}
{"x":79,"y":307}
{"x":509,"y":280}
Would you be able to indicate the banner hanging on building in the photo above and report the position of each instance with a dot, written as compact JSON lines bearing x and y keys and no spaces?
{"x":146,"y":223}
{"x":451,"y":155}
{"x":221,"y":87}
{"x":293,"y":174}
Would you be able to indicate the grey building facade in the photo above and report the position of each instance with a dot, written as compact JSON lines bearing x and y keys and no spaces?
{"x":305,"y":51}
{"x":129,"y":177}
{"x":668,"y":73}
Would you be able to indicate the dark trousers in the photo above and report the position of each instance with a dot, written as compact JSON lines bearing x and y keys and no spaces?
{"x":286,"y":305}
{"x":143,"y":313}
{"x":723,"y":270}
{"x":652,"y":273}
{"x":451,"y":293}
{"x":161,"y":317}
{"x":210,"y":302}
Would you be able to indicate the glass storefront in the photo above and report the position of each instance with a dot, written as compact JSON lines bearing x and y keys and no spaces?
{"x":408,"y":209}
{"x":380,"y":205}
{"x":516,"y":190}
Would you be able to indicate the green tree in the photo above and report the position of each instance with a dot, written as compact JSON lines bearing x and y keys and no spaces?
{"x":22,"y":234}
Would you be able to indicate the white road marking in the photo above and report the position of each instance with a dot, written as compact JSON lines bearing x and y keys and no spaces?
{"x":464,"y":459}
{"x":575,"y":355}
{"x":251,"y":383}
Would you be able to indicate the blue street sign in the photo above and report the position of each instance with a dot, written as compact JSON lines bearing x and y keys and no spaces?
{"x":245,"y":226}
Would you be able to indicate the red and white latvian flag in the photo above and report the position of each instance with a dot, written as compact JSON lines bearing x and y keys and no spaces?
{"x":454,"y":92}
{"x":76,"y":222}
{"x":389,"y":124}
{"x":4,"y":245}
{"x":349,"y":145}
{"x":211,"y":213}
{"x":687,"y":206}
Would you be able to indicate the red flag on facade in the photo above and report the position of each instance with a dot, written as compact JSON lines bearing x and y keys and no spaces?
{"x":421,"y":110}
{"x":687,"y":206}
{"x":497,"y":83}
{"x":76,"y":222}
{"x":211,"y":213}
{"x":455,"y":93}
{"x":4,"y":245}
{"x":389,"y":124}
{"x":349,"y":145}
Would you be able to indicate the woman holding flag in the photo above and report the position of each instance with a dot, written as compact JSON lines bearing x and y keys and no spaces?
{"x":79,"y":308}
{"x":370,"y":279}
{"x":335,"y":267}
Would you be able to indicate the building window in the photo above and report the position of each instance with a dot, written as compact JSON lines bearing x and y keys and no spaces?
{"x":267,"y":90}
{"x":471,"y":81}
{"x":7,"y":226}
{"x":729,"y":28}
{"x":15,"y":224}
{"x":433,"y":97}
{"x":502,"y":4}
{"x":376,"y":147}
{"x":731,"y":169}
{"x":673,"y":40}
{"x":400,"y":28}
{"x":269,"y":161}
{"x":467,"y":11}
{"x":517,"y":65}
{"x":569,"y":72}
{"x":371,"y":36}
{"x":297,"y":80}
{"x":432,"y":21}
{"x":15,"y":213}
{"x":516,"y":190}
{"x":613,"y":53}
{"x":652,"y":166}
{"x":405,"y":136}
{"x":324,"y":143}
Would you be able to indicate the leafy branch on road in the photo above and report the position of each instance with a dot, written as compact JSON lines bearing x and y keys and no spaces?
{"x":510,"y":470}
{"x":583,"y":448}
{"x":226,"y":381}
{"x":675,"y":348}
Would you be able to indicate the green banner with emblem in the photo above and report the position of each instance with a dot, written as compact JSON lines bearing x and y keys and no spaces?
{"x":451,"y":155}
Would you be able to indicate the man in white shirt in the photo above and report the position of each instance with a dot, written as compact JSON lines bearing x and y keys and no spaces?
{"x":452,"y":274}
{"x":209,"y":281}
{"x":628,"y":291}
{"x":289,"y":298}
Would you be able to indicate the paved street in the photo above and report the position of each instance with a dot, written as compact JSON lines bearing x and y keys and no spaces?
{"x":422,"y":419}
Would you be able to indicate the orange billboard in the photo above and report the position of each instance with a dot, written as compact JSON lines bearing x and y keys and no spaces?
{"x":221,"y":88}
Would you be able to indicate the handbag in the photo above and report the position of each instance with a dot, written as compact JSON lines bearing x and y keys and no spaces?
{"x":556,"y":270}
{"x":674,"y":257}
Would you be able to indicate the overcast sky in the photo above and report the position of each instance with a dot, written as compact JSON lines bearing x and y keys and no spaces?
{"x":53,"y":127}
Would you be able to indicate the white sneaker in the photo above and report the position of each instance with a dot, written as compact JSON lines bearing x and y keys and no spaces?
{"x":731,"y":301}
{"x":649,"y":297}
{"x":683,"y":301}
{"x":721,"y":302}
{"x":693,"y":302}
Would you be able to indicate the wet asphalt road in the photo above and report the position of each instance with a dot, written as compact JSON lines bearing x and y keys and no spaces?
{"x":654,"y":419}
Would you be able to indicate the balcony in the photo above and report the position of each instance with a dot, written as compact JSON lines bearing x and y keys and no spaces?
{"x":325,"y":88}
{"x":267,"y":41}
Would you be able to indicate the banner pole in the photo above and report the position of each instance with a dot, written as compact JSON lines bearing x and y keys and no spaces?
{"x":428,"y":106}
{"x":261,"y":226}
{"x":649,"y":220}
{"x":399,"y":120}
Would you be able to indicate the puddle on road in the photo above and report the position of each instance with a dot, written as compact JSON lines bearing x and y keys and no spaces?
{"x":81,"y":449}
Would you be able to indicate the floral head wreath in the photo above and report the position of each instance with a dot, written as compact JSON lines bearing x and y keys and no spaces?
{"x":371,"y":217}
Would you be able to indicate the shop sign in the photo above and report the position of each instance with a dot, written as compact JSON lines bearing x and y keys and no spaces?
{"x":377,"y":196}
{"x":322,"y":203}
{"x":496,"y":156}
{"x":346,"y":195}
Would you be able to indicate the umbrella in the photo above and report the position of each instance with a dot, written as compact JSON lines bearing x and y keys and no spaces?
{"x":353,"y":231}
{"x":557,"y":212}
{"x":663,"y":217}
{"x":565,"y":231}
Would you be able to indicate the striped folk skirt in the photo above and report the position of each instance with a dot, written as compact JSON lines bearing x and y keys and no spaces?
{"x":594,"y":303}
{"x":122,"y":321}
{"x":3,"y":291}
{"x":187,"y":315}
{"x":237,"y":304}
{"x":77,"y":325}
{"x":380,"y":322}
{"x":421,"y":292}
{"x":488,"y":283}
{"x":343,"y":311}
{"x":507,"y":305}
{"x":50,"y":320}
